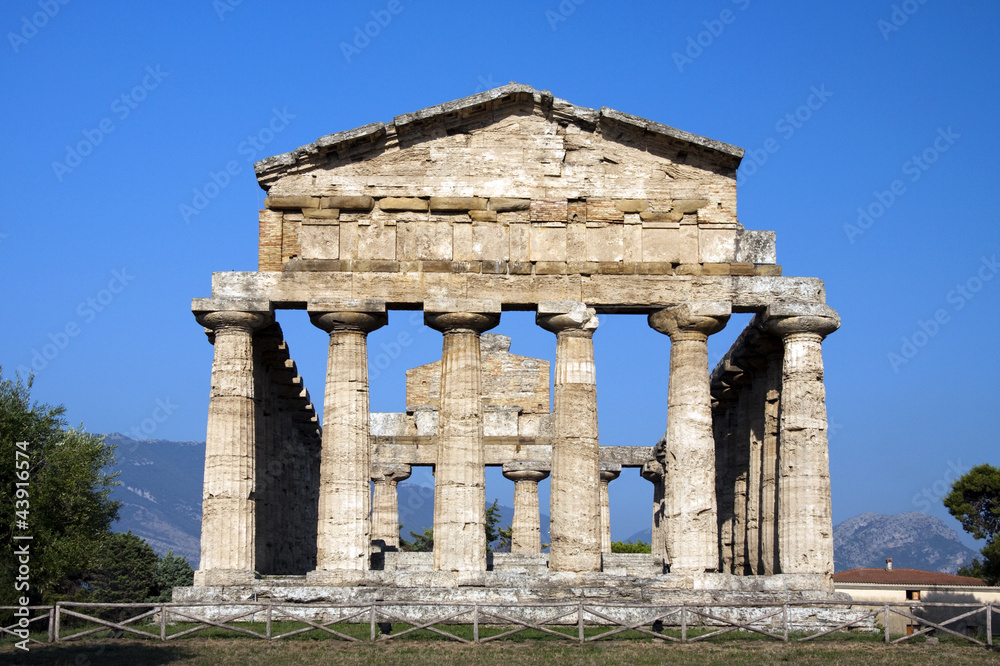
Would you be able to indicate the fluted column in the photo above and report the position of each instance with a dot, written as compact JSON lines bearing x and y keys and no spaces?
{"x":460,"y":473}
{"x":526,"y":533}
{"x":652,"y":471}
{"x":805,"y":527}
{"x":385,"y":504}
{"x":689,"y":500}
{"x":769,"y":467}
{"x":228,"y":547}
{"x":575,"y":489}
{"x":608,"y":474}
{"x":343,"y":534}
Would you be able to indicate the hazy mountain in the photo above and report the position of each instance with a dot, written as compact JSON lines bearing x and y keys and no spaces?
{"x":913,"y":541}
{"x":160,"y":491}
{"x":161,"y":488}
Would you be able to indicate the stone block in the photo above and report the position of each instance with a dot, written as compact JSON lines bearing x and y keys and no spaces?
{"x":716,"y":269}
{"x":741,"y":268}
{"x":755,"y":247}
{"x":436,"y":266}
{"x":424,"y":241}
{"x":550,"y":268}
{"x":320,"y":241}
{"x":687,"y":244}
{"x":520,"y":242}
{"x":632,"y":205}
{"x":686,"y":206}
{"x":605,"y":243}
{"x":483,"y":215}
{"x":319,"y":214}
{"x":767,"y":270}
{"x":490,"y":241}
{"x":466,"y":266}
{"x":651,"y":216}
{"x":494,"y":267}
{"x":661,"y":245}
{"x":688,"y":269}
{"x":441,"y":305}
{"x":377,"y":240}
{"x":505,"y":205}
{"x":716,"y":245}
{"x":654,"y":268}
{"x":615,"y":268}
{"x":581,"y":267}
{"x":519,"y":267}
{"x":547,"y":243}
{"x":392,"y":204}
{"x":291,"y":203}
{"x":363,"y":203}
{"x":463,"y":204}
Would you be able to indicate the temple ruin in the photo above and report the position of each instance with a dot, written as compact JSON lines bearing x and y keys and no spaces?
{"x":512,"y":200}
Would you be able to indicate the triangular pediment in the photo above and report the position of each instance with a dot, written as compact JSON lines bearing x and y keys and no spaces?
{"x":509,"y":141}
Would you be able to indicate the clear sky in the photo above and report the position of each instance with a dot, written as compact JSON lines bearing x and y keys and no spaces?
{"x":871,"y":137}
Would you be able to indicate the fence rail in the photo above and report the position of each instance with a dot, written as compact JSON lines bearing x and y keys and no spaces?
{"x":771,"y":620}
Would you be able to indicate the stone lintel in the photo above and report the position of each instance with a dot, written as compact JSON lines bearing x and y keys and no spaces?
{"x":472,"y":305}
{"x":201,"y":306}
{"x":366,"y":305}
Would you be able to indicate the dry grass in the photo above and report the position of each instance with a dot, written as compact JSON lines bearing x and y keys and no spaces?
{"x":227,"y":651}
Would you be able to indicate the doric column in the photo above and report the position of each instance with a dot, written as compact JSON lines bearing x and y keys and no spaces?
{"x":805,"y":527}
{"x":385,"y":504}
{"x":740,"y":381}
{"x":228,"y":547}
{"x":526,"y":534}
{"x":575,"y":489}
{"x":690,"y":461}
{"x":343,"y":534}
{"x":460,"y":473}
{"x":769,"y":467}
{"x":652,"y":471}
{"x":609,"y":472}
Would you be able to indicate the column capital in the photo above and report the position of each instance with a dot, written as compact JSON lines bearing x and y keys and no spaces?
{"x":525,"y":471}
{"x":348,"y":314}
{"x":652,"y":471}
{"x":691,"y":320}
{"x":610,"y":472}
{"x":786,"y":319}
{"x":569,"y":317}
{"x":238,"y":319}
{"x":451,"y":322}
{"x":392,"y":472}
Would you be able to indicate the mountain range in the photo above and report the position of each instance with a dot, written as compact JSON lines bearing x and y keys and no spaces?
{"x":161,"y":487}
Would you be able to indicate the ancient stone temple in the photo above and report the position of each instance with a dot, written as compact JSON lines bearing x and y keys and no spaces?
{"x":513,"y":200}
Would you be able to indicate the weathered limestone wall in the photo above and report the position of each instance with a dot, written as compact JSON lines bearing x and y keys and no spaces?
{"x":509,"y":380}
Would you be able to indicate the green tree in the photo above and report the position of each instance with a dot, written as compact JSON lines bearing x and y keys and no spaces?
{"x":639,"y":546}
{"x":492,"y":520}
{"x":68,"y":511}
{"x":422,"y":543}
{"x":124,"y":570}
{"x":505,"y":539}
{"x":172,"y":571}
{"x":975,"y":501}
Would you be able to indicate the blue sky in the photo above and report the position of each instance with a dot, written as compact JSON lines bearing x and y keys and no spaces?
{"x":870,"y":134}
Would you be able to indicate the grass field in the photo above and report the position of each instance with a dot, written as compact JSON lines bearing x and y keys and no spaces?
{"x":226,"y":651}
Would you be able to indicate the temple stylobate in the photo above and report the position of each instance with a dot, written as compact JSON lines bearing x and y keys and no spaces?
{"x":513,"y":200}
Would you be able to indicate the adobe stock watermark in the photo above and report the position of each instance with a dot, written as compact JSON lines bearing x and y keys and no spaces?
{"x":252,"y":148}
{"x":223,"y":7}
{"x":383,"y":357}
{"x":565,"y":9}
{"x":786,"y":127}
{"x":940,"y":488}
{"x":957,"y":298}
{"x":22,"y":541}
{"x":122,"y":107}
{"x":364,"y":34}
{"x":914,"y":168}
{"x":486,"y":83}
{"x":696,"y":44}
{"x":164,"y":410}
{"x":86,"y":312}
{"x":30,"y":25}
{"x":898,"y":17}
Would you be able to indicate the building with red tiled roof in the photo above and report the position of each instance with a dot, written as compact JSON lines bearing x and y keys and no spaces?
{"x":889,"y":585}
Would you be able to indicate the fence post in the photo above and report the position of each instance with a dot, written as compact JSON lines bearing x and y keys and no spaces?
{"x":989,"y":624}
{"x":51,"y":626}
{"x":267,"y":632}
{"x":475,"y":623}
{"x":784,"y":618}
{"x":57,"y":621}
{"x":163,"y":622}
{"x":684,"y":624}
{"x":579,"y":620}
{"x":885,"y":620}
{"x":373,"y":623}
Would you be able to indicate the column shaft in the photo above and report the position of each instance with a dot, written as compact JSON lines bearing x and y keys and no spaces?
{"x":385,"y":504}
{"x":526,"y":534}
{"x":769,"y":467}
